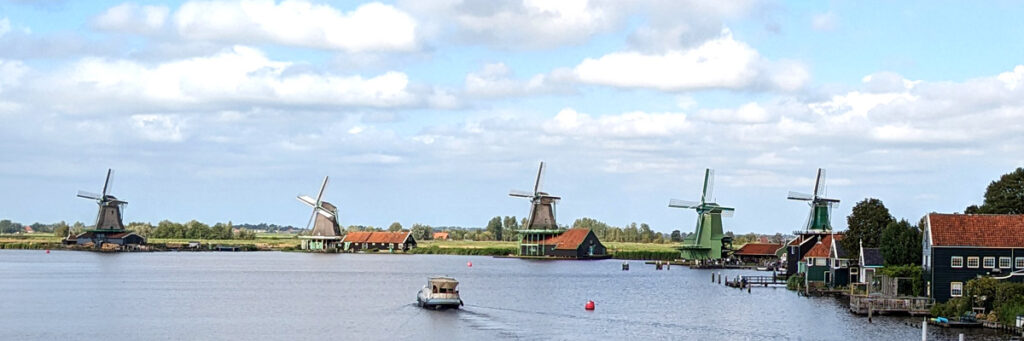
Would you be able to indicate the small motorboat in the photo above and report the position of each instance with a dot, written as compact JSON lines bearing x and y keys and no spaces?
{"x":439,"y":293}
{"x":762,"y":268}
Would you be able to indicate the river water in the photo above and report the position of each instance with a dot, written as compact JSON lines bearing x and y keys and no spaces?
{"x":282,"y":295}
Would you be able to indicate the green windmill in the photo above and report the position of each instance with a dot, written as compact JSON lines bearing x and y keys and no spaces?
{"x":708,"y":241}
{"x":820,"y":219}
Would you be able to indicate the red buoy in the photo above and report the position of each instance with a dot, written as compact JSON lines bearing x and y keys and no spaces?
{"x":469,"y":264}
{"x":590,"y":305}
{"x":47,"y":251}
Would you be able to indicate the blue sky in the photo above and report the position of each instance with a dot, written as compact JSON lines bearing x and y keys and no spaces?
{"x":431,"y":111}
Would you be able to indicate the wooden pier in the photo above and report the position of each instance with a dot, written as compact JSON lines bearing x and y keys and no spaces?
{"x":867,"y":305}
{"x":742,"y":282}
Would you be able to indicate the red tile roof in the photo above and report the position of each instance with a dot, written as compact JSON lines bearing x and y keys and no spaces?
{"x":758,"y":249}
{"x":377,"y":237}
{"x":441,"y":235}
{"x":568,"y":240}
{"x":824,"y":247}
{"x":980,"y":230}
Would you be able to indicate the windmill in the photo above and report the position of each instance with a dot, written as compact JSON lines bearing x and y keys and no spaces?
{"x":542,"y":205}
{"x":708,"y":241}
{"x":820,"y":218}
{"x":109,"y":216}
{"x":324,"y":221}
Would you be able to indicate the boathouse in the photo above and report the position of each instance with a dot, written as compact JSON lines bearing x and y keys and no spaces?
{"x":378,"y":241}
{"x":571,"y":243}
{"x":757,"y":253}
{"x":959,"y":247}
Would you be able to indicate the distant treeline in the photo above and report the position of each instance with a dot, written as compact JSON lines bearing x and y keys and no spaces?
{"x":190,"y":230}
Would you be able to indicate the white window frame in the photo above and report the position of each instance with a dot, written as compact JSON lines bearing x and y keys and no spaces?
{"x":985,"y":262}
{"x":956,"y":289}
{"x":956,"y":262}
{"x":820,"y":262}
{"x":1020,"y":262}
{"x":975,"y":261}
{"x":1007,"y":264}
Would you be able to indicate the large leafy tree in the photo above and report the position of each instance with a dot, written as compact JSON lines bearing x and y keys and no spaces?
{"x":901,"y":244}
{"x":395,"y":227}
{"x":1003,"y":196}
{"x":865,"y":223}
{"x":494,"y":227}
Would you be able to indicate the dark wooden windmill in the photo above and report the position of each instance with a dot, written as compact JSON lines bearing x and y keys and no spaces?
{"x":542,"y":205}
{"x":820,"y":218}
{"x":326,"y":232}
{"x":109,"y":216}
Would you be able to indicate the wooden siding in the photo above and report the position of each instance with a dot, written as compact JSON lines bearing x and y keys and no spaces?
{"x":942,"y":274}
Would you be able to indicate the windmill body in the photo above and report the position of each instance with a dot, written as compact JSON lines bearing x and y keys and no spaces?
{"x":708,"y":242}
{"x":109,"y":226}
{"x":326,"y":232}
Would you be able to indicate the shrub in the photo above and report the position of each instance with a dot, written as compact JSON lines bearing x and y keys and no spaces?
{"x":795,"y":282}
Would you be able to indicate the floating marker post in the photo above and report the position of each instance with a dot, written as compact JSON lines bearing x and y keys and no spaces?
{"x":924,"y":330}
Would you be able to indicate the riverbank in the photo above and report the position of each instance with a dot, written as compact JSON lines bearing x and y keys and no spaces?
{"x":277,"y":242}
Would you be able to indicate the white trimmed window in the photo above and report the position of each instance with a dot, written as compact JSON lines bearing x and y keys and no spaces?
{"x":1020,"y":262}
{"x":819,"y":261}
{"x":956,"y":289}
{"x":990,"y":262}
{"x":956,"y":262}
{"x":1004,"y":262}
{"x":972,"y":262}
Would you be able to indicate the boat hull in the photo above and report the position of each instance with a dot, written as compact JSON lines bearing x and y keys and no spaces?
{"x":424,"y":300}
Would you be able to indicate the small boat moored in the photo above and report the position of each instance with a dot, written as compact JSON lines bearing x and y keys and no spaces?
{"x":439,"y":293}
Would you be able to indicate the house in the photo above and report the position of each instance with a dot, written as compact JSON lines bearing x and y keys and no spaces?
{"x":839,"y":274}
{"x":378,"y":241}
{"x":959,"y":247}
{"x":572,"y":243}
{"x":870,"y":261}
{"x":100,"y":237}
{"x":757,"y":253}
{"x":28,"y":229}
{"x":440,"y":235}
{"x":825,"y":263}
{"x":797,"y":249}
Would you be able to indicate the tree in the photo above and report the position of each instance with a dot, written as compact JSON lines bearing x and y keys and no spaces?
{"x":646,"y":235}
{"x":777,"y":238}
{"x":901,"y":244}
{"x":511,"y":227}
{"x":1003,"y":196}
{"x":61,"y":229}
{"x":395,"y":227}
{"x":676,"y":236}
{"x":865,"y":223}
{"x":422,"y":232}
{"x":494,"y":227}
{"x":6,"y":226}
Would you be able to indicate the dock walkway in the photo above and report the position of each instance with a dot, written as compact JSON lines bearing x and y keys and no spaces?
{"x":866,"y":305}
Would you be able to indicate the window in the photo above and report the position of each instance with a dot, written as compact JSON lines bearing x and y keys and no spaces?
{"x":956,"y":289}
{"x":956,"y":262}
{"x":1004,"y":262}
{"x":990,"y":262}
{"x":1020,"y":262}
{"x":972,"y":262}
{"x":819,"y":261}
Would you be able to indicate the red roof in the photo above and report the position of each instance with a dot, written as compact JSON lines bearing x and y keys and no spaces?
{"x":440,"y":235}
{"x":824,"y":247}
{"x":758,"y":249}
{"x":377,"y":237}
{"x":568,"y":240}
{"x":980,"y":230}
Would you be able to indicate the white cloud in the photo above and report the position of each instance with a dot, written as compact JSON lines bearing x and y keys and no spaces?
{"x":825,"y":21}
{"x":130,"y":17}
{"x":495,"y":80}
{"x":371,"y":27}
{"x":11,"y":73}
{"x":5,"y":26}
{"x":159,"y":128}
{"x":746,"y":114}
{"x":569,"y":122}
{"x":720,"y":63}
{"x":235,"y":75}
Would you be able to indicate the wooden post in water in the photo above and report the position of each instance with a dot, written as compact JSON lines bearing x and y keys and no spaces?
{"x":961,"y":338}
{"x":924,"y":330}
{"x":712,"y":277}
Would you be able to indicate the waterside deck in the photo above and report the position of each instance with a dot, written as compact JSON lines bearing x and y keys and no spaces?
{"x":867,"y":305}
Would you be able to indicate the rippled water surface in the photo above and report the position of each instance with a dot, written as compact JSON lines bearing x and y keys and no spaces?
{"x":275,"y":295}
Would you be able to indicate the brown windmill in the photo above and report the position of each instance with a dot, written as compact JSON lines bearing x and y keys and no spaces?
{"x":109,"y":216}
{"x":326,"y":231}
{"x":542,"y":205}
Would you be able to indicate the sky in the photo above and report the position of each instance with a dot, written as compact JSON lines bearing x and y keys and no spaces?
{"x":430,"y":111}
